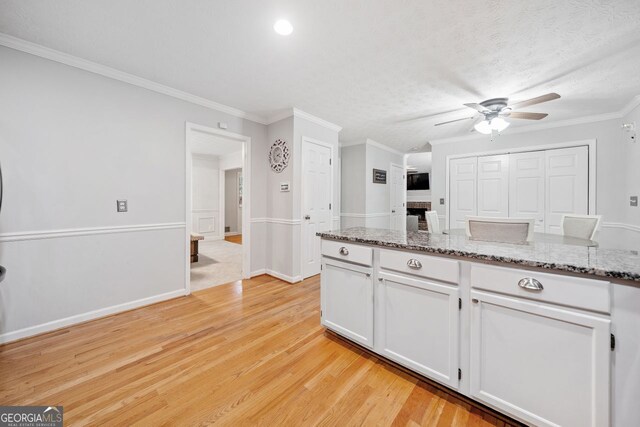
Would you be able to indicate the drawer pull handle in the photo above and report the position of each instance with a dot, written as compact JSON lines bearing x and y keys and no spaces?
{"x":531,"y":284}
{"x":344,"y":251}
{"x":414,"y":263}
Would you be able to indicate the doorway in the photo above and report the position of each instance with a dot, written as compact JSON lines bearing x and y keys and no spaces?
{"x":217,"y":208}
{"x":397,"y":194}
{"x":317,"y":196}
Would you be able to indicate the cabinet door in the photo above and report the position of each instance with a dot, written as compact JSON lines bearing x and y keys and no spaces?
{"x":545,"y":365}
{"x":419,"y":326}
{"x":347,"y":300}
{"x":526,"y":187}
{"x":493,"y":186}
{"x":463,"y":180}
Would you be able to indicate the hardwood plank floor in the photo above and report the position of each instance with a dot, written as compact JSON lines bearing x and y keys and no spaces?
{"x":246,"y":353}
{"x":234,"y":239}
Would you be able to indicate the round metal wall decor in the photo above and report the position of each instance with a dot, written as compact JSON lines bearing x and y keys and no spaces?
{"x":279,"y":156}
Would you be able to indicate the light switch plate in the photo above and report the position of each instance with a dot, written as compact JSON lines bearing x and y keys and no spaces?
{"x":633,"y":201}
{"x":442,"y":201}
{"x":284,"y":187}
{"x":122,"y":206}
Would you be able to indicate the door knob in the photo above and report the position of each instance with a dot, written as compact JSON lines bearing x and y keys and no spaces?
{"x":307,"y":217}
{"x":393,"y":211}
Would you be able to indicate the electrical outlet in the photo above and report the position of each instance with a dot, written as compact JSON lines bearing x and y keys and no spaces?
{"x":122,"y":206}
{"x":633,"y":201}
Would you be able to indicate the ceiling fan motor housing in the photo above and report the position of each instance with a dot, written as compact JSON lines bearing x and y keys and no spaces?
{"x":495,"y":104}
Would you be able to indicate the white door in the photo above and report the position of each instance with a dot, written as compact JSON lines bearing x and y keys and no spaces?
{"x":546,"y":365}
{"x":493,"y":186}
{"x":420,"y":326}
{"x":398,"y":220}
{"x":462,"y":190}
{"x":567,"y":185}
{"x":316,"y":207}
{"x":346,"y":301}
{"x":526,"y":187}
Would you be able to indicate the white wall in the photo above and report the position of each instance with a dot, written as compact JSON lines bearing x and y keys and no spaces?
{"x":231,"y":161}
{"x":231,"y":201}
{"x":615,"y":158}
{"x":205,"y":199}
{"x":71,"y":143}
{"x":353,"y":160}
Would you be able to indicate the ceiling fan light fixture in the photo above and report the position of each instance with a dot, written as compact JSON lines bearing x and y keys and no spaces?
{"x":487,"y":126}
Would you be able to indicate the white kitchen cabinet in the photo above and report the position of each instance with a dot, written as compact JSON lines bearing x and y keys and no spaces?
{"x":545,"y":364}
{"x":419,"y":326}
{"x":347,"y":300}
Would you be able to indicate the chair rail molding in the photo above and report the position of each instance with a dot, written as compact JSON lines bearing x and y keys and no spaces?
{"x":87,"y":231}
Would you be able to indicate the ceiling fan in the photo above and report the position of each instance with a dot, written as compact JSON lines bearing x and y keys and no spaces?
{"x":497,"y":109}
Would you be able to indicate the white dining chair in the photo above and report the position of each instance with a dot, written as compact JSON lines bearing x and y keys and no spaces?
{"x":412,"y":223}
{"x":433,"y":223}
{"x":580,"y":226}
{"x":510,"y":230}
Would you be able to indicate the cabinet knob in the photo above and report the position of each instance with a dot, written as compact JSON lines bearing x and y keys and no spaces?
{"x":531,"y":284}
{"x":344,"y":251}
{"x":414,"y":263}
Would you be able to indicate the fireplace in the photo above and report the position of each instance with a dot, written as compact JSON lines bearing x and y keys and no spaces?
{"x":418,"y":209}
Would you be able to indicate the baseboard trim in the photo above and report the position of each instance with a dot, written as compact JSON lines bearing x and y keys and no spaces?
{"x":286,"y":278}
{"x":84,"y":317}
{"x":258,"y":272}
{"x":89,"y":231}
{"x":232,"y":233}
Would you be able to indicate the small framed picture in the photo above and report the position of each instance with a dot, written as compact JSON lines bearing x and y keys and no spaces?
{"x":379,"y":176}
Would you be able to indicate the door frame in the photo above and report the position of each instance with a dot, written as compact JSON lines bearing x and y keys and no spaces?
{"x":308,"y":140}
{"x":591,"y":145}
{"x":404,"y":193}
{"x":191,"y":128}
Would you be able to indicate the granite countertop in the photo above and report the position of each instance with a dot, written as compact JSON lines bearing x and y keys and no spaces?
{"x":613,"y":263}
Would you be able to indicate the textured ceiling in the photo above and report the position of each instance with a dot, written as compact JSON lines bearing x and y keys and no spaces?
{"x":367,"y":65}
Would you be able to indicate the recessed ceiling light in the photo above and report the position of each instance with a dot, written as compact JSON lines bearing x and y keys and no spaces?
{"x":283,"y":27}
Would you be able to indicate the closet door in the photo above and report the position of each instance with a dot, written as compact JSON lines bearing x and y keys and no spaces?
{"x":462,"y":190}
{"x":493,"y":186}
{"x":526,"y":187}
{"x":567,"y":185}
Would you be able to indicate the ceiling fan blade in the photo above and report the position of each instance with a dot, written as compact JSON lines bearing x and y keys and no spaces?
{"x":477,"y":107}
{"x":527,"y":116}
{"x":453,"y":121}
{"x":537,"y":100}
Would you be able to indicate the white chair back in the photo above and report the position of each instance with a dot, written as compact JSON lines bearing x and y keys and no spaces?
{"x":412,"y":223}
{"x":433,"y":223}
{"x":580,"y":226}
{"x":509,"y":230}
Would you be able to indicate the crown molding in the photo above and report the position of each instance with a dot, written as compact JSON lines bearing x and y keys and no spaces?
{"x":317,"y":120}
{"x":373,"y":143}
{"x":534,"y":127}
{"x":93,"y":67}
{"x":635,"y":102}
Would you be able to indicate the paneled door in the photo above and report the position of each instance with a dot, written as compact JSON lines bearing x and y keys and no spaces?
{"x":493,"y":186}
{"x":526,"y":187}
{"x":397,"y":190}
{"x":462,"y":190}
{"x":567,"y":185}
{"x":316,"y":207}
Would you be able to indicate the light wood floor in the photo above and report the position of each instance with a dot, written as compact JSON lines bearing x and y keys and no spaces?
{"x":246,"y":353}
{"x":234,"y":239}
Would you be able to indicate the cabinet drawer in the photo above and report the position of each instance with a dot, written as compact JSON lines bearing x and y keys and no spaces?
{"x":347,"y":252}
{"x":570,"y":291}
{"x":442,"y":269}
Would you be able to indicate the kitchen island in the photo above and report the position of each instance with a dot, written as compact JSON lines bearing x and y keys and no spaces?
{"x":546,"y":333}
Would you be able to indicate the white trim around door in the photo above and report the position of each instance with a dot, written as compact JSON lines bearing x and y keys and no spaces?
{"x":190,"y":128}
{"x":591,"y":144}
{"x":307,"y":140}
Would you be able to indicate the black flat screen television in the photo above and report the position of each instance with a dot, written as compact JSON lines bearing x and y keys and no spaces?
{"x":418,"y":181}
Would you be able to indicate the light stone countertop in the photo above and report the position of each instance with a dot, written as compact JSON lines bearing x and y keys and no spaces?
{"x":593,"y":261}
